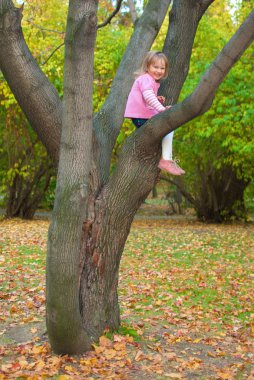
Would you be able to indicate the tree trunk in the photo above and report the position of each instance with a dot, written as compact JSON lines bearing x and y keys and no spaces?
{"x":64,"y":323}
{"x":93,"y":211}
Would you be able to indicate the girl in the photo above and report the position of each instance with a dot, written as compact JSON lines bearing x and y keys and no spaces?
{"x":143,"y":103}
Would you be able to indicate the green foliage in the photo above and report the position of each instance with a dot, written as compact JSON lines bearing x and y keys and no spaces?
{"x":43,"y":27}
{"x":222,"y":137}
{"x":106,"y":60}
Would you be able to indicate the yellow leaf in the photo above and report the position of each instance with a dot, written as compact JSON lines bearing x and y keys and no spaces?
{"x":139,"y":356}
{"x":69,"y":368}
{"x":109,"y":354}
{"x":37,"y":350}
{"x":105,"y":342}
{"x":173,"y":375}
{"x":40,"y":365}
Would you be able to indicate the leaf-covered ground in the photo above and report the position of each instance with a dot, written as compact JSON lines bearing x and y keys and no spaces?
{"x":186,"y":295}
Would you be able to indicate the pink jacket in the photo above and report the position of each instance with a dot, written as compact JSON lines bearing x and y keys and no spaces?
{"x":136,"y":106}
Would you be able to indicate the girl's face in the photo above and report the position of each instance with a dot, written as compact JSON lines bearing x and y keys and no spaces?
{"x":157,"y":69}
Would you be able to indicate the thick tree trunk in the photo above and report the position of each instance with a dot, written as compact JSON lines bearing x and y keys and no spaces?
{"x":104,"y":236}
{"x":64,"y":323}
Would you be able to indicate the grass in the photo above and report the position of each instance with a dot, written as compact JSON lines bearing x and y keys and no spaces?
{"x":213,"y":272}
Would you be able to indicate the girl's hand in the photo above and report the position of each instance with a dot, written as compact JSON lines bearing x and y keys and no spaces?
{"x":161,"y":99}
{"x":167,"y":107}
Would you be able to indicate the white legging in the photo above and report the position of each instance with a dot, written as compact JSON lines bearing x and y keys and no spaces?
{"x":167,"y":142}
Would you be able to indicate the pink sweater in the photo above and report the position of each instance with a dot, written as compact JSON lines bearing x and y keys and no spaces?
{"x":144,"y":91}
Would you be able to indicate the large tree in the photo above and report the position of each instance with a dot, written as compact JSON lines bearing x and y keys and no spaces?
{"x":93,"y":210}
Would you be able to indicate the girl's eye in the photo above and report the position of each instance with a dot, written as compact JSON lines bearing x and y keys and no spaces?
{"x":157,"y":67}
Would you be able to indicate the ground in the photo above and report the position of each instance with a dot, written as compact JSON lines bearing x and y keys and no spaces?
{"x":186,"y":296}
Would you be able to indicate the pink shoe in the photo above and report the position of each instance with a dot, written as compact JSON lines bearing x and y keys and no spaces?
{"x":179,"y":168}
{"x":171,"y":167}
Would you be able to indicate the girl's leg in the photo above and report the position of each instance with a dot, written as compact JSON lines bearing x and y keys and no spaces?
{"x":167,"y":143}
{"x":167,"y":163}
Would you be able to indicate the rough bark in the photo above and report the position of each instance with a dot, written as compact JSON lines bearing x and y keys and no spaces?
{"x":64,"y":322}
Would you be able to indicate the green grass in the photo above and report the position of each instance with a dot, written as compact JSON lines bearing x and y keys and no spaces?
{"x":208,"y":272}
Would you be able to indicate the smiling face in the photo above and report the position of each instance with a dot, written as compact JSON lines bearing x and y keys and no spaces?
{"x":157,"y":69}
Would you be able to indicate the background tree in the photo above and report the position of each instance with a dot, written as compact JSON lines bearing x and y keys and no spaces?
{"x":93,"y":211}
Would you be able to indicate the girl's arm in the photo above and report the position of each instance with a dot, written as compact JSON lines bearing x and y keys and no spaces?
{"x":152,"y":101}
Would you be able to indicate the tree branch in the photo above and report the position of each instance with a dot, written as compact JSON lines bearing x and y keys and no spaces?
{"x":137,"y":171}
{"x":52,"y":53}
{"x":44,"y":29}
{"x":179,"y":42}
{"x":118,"y":6}
{"x":201,"y":98}
{"x":179,"y":184}
{"x":132,"y":11}
{"x":32,"y":89}
{"x":107,"y":121}
{"x":204,"y":5}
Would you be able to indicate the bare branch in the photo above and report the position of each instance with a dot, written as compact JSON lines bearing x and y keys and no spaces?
{"x":180,"y":185}
{"x":52,"y":53}
{"x":16,"y":58}
{"x":44,"y":29}
{"x":118,"y":6}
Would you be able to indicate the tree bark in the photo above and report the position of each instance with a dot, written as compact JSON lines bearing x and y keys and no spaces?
{"x":184,"y":18}
{"x":64,"y":323}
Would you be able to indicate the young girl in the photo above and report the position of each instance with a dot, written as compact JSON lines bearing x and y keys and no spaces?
{"x":143,"y":103}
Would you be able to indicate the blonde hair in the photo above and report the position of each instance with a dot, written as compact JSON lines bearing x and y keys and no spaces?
{"x":149,"y":59}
